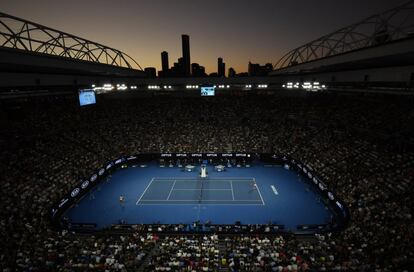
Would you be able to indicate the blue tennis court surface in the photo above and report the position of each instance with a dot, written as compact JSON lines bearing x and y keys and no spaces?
{"x":169,"y":195}
{"x":168,"y":191}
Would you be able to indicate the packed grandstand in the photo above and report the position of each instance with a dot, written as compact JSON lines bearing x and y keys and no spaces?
{"x":361,"y":145}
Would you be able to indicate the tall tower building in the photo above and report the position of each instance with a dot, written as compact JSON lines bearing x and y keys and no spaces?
{"x":164,"y":62}
{"x":221,"y":66}
{"x":186,"y":54}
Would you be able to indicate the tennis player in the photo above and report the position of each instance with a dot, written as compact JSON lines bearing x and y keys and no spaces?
{"x":254,"y":185}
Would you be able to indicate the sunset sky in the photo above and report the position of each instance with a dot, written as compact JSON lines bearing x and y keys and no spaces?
{"x":239,"y":31}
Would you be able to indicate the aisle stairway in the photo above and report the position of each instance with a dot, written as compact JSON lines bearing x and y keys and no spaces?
{"x":222,"y":252}
{"x":146,"y":262}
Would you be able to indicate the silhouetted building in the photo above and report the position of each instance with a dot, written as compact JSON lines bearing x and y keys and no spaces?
{"x":178,"y":69}
{"x":221,"y":67}
{"x":186,"y":54}
{"x":268,"y":67}
{"x":232,"y":72}
{"x":151,"y":72}
{"x":184,"y":68}
{"x":197,"y":70}
{"x":244,"y":74}
{"x":213,"y":74}
{"x":164,"y":62}
{"x":256,"y":69}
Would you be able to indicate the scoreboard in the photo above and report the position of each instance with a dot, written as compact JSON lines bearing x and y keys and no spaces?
{"x":87,"y":97}
{"x":207,"y":91}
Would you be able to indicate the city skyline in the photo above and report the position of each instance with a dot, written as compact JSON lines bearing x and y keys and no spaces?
{"x":237,"y":31}
{"x":183,"y":67}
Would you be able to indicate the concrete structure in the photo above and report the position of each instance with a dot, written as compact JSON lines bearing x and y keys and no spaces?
{"x":21,"y":68}
{"x":381,"y":64}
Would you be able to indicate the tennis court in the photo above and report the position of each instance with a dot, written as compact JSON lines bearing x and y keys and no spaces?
{"x":190,"y":191}
{"x":169,"y":195}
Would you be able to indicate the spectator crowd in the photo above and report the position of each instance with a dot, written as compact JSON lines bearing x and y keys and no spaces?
{"x":361,"y":146}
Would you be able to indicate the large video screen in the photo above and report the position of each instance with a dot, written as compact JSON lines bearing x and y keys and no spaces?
{"x":87,"y":97}
{"x":207,"y":91}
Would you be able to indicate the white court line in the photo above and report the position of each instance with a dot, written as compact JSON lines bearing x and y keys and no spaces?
{"x":203,"y":204}
{"x":209,"y":179}
{"x":258,"y":190}
{"x":172,"y":200}
{"x":145,"y":191}
{"x":202,"y":189}
{"x":172,"y":188}
{"x":232,"y":193}
{"x":164,"y":201}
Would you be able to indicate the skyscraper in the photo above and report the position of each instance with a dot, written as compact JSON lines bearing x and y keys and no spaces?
{"x":221,"y":66}
{"x":232,"y":72}
{"x":164,"y":62}
{"x":186,"y":54}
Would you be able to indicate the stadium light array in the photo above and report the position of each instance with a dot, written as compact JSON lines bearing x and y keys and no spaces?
{"x":121,"y":87}
{"x":103,"y":89}
{"x":154,"y":87}
{"x":291,"y":85}
{"x":262,"y":86}
{"x":108,"y":87}
{"x":191,"y":86}
{"x":308,"y":86}
{"x":248,"y":86}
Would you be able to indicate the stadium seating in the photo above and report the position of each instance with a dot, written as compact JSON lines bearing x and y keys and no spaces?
{"x":361,"y":145}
